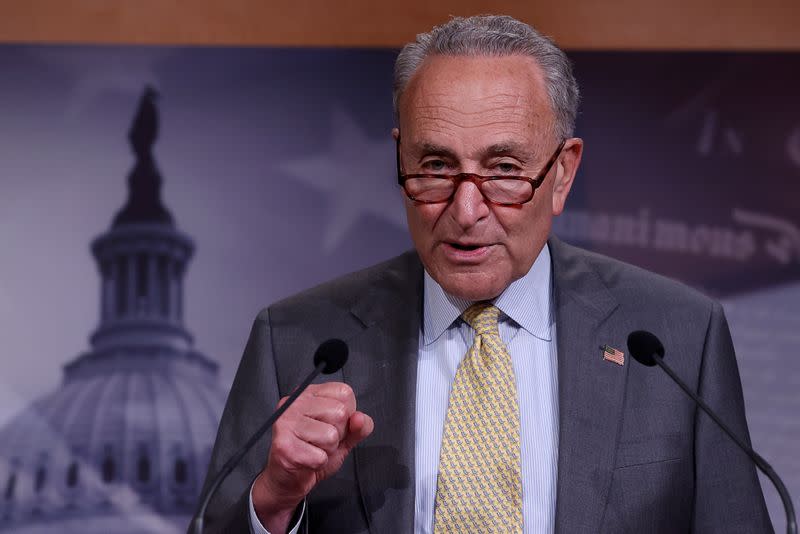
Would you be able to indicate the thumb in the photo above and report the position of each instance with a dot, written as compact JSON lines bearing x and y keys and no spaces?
{"x":359,"y":427}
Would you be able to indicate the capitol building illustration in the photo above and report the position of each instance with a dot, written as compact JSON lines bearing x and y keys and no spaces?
{"x":123,"y":444}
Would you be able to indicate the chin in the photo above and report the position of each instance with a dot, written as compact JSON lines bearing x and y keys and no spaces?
{"x":473,"y":290}
{"x":473,"y":283}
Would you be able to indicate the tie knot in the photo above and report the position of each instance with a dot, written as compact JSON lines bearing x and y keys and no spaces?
{"x":482,"y":317}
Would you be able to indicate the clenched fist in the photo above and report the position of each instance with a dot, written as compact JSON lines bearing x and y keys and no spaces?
{"x":309,"y":443}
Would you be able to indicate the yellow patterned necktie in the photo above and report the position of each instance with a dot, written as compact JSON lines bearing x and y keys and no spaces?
{"x":479,"y":488}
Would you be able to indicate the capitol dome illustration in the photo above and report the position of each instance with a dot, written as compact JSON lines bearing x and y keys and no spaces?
{"x":123,"y":444}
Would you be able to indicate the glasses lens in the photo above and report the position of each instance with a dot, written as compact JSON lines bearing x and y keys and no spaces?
{"x":507,"y":190}
{"x":429,"y":189}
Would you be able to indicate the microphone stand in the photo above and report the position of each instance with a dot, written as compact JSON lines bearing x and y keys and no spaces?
{"x":791,"y":521}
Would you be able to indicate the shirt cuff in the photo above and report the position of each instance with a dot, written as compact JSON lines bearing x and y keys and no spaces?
{"x":255,"y":524}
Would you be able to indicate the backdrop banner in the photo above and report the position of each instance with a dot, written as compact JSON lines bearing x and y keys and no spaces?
{"x":154,"y":199}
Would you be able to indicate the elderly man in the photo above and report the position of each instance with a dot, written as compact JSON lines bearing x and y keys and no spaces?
{"x":478,"y":396}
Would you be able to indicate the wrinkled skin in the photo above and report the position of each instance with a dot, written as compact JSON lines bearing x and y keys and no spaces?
{"x":484,"y":115}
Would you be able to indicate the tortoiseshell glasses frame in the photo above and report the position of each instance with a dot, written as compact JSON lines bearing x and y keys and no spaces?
{"x":503,"y":190}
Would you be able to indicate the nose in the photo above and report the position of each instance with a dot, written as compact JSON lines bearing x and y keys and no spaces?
{"x":468,"y":205}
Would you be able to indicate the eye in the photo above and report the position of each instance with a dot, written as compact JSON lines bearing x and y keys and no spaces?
{"x":506,"y":167}
{"x":434,"y":165}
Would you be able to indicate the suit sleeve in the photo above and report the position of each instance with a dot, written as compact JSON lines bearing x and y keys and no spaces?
{"x":728,"y":495}
{"x":253,"y":396}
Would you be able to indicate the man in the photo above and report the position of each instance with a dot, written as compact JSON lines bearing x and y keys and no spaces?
{"x":477,"y":396}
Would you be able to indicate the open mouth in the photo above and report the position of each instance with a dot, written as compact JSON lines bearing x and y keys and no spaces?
{"x":466,"y":253}
{"x":467,"y":248}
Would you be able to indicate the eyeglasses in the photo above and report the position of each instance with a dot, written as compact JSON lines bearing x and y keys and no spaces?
{"x":503,"y":190}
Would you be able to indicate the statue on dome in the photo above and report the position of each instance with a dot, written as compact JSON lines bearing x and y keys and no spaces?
{"x":144,"y":183}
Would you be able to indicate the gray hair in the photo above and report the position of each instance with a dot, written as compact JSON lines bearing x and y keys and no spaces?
{"x":495,"y":35}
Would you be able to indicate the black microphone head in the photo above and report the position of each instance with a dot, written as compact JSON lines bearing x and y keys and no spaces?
{"x":333,"y":353}
{"x":643,"y":345}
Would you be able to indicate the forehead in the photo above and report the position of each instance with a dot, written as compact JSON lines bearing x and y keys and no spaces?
{"x":467,"y":95}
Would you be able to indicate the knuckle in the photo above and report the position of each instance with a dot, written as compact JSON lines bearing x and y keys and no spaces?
{"x":280,"y":457}
{"x":331,"y":436}
{"x":280,"y":445}
{"x":339,"y":411}
{"x":345,"y":391}
{"x":290,"y":461}
{"x":285,"y":463}
{"x":318,"y":459}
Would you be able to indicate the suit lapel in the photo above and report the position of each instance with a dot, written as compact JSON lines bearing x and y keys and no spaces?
{"x":590,"y":391}
{"x":382,"y":372}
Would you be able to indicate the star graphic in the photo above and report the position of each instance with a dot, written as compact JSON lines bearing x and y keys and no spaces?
{"x":357,"y":174}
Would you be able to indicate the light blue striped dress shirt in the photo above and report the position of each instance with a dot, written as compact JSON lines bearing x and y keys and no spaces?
{"x":527,"y":327}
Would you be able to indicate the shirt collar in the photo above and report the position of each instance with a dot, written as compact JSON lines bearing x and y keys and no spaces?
{"x":526,"y":301}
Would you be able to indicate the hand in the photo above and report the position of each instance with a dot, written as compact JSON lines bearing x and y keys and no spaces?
{"x":309,"y":443}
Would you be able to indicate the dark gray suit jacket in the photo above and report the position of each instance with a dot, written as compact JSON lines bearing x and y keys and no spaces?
{"x":635,"y":455}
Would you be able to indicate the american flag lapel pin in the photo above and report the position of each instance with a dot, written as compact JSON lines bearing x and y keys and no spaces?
{"x":613,"y":355}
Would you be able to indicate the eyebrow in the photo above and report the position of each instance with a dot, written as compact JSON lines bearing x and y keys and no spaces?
{"x":432,"y":149}
{"x":508,"y":148}
{"x":504,"y":148}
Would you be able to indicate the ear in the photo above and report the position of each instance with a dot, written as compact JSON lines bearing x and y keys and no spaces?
{"x":396,"y":133}
{"x":566,"y":168}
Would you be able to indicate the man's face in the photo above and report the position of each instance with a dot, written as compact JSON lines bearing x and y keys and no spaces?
{"x":483,"y":115}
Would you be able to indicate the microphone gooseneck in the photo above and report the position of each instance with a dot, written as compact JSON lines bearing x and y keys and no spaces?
{"x":329,"y":358}
{"x":647,"y":349}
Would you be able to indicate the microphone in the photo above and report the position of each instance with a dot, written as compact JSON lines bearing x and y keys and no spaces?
{"x":329,"y":358}
{"x":648,"y":350}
